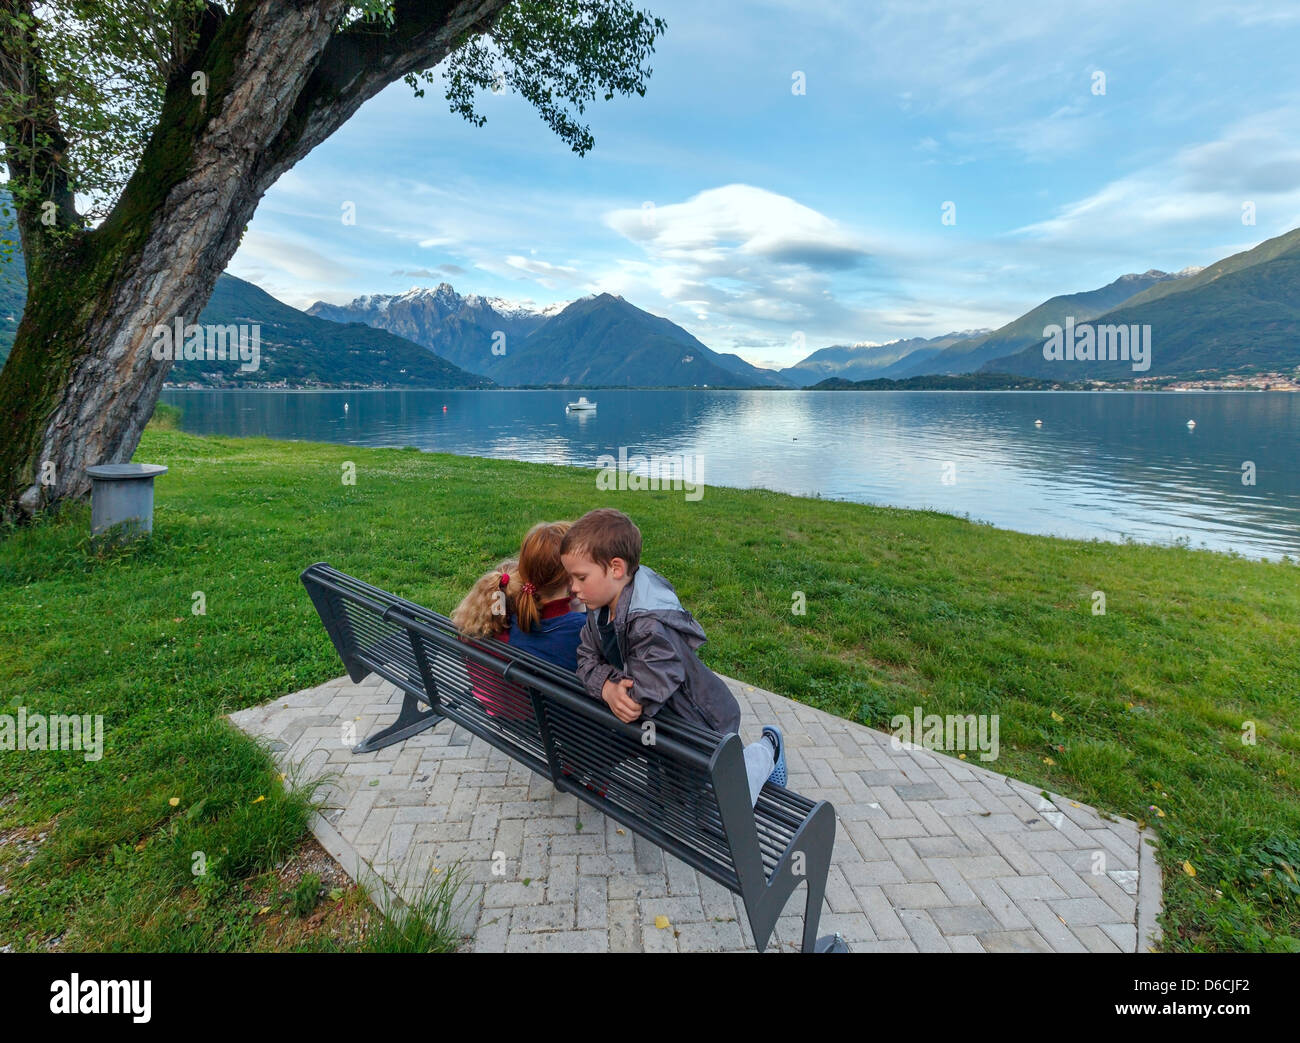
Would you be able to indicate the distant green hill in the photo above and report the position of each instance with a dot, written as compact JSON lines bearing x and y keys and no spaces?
{"x":949,"y":382}
{"x":13,"y":284}
{"x":857,"y":362}
{"x":1264,"y":252}
{"x":13,"y":297}
{"x":1239,"y":315}
{"x":967,"y":356}
{"x":294,"y":347}
{"x":305,"y":351}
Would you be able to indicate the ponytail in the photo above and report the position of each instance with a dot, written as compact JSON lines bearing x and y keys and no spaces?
{"x":528,"y":610}
{"x":540,"y":570}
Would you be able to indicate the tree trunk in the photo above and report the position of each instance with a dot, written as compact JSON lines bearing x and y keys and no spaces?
{"x":81,"y":382}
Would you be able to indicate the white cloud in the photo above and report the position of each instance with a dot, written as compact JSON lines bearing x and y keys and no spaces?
{"x":739,"y":252}
{"x":1200,"y":189}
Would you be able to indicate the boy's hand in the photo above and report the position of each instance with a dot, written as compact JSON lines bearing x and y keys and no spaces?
{"x":617,"y":696}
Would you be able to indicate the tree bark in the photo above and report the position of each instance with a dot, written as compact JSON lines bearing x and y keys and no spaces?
{"x":81,"y":382}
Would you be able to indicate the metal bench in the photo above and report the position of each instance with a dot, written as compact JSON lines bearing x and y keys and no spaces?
{"x":679,"y":785}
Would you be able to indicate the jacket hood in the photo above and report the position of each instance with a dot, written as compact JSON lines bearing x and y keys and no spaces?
{"x":653,"y":594}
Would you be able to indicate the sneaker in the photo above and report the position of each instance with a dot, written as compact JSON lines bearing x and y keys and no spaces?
{"x":778,"y":775}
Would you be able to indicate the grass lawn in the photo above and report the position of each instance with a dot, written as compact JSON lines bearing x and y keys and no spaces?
{"x":1139,"y":711}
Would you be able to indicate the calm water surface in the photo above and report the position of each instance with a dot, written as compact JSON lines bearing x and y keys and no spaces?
{"x":1103,"y":465}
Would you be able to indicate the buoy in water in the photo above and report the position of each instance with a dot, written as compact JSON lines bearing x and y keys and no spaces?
{"x":444,"y":409}
{"x":345,"y":407}
{"x":1191,"y":423}
{"x":1038,"y":423}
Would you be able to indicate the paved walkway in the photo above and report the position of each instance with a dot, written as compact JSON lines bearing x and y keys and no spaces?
{"x":932,"y":853}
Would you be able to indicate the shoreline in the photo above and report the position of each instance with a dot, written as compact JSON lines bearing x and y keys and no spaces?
{"x":821,"y":391}
{"x":1280,"y":557}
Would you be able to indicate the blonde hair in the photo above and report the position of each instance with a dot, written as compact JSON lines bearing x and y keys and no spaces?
{"x":485,"y":611}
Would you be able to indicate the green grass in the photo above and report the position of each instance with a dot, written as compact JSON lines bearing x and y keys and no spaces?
{"x":904,"y":608}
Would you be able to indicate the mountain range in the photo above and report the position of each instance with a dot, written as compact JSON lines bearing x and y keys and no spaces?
{"x":301,"y":351}
{"x":870,"y":361}
{"x":1239,"y":315}
{"x":601,"y":339}
{"x":968,"y":355}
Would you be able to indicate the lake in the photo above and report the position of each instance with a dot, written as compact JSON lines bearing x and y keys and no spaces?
{"x":1103,"y":465}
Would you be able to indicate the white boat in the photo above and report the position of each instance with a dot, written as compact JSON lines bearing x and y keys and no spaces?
{"x":582,"y":403}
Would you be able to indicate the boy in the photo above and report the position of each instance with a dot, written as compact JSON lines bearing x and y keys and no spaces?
{"x":637,"y":651}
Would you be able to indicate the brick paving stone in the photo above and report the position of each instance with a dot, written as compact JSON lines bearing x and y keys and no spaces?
{"x":1014,"y":941}
{"x":932,"y":852}
{"x":1079,"y":912}
{"x":996,"y":901}
{"x":593,"y":901}
{"x":887,"y":945}
{"x":915,"y":896}
{"x":922,"y":930}
{"x":558,"y":941}
{"x":1124,"y":935}
{"x":882,"y":871}
{"x":531,"y":918}
{"x":964,"y":919}
{"x":852,"y":927}
{"x":1096,"y":939}
{"x":1066,"y":878}
{"x":920,"y":791}
{"x":893,"y":828}
{"x":709,"y":936}
{"x":913,"y":868}
{"x":657,"y":939}
{"x":882,"y":915}
{"x":938,"y":847}
{"x":682,"y":879}
{"x":1049,"y":925}
{"x":839,"y":894}
{"x":947,"y":873}
{"x":935,"y":824}
{"x":623,"y":933}
{"x":508,"y":894}
{"x":1018,"y":888}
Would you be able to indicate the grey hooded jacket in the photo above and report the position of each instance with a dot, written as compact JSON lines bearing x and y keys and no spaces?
{"x":658,"y":639}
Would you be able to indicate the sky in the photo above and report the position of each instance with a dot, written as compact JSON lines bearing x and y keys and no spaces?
{"x":803,"y":173}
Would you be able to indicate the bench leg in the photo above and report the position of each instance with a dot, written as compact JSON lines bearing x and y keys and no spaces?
{"x":812,"y":915}
{"x":411,"y":721}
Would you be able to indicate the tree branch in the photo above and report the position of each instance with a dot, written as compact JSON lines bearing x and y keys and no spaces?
{"x":360,"y":62}
{"x":35,"y":136}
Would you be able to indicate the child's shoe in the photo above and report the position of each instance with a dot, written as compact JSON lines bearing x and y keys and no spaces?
{"x":778,"y":775}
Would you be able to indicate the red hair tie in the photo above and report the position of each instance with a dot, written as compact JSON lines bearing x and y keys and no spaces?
{"x":529,"y":589}
{"x":505,"y":580}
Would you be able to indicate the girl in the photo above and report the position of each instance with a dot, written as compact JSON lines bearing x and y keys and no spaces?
{"x":544,"y":622}
{"x":485,"y":613}
{"x":525,"y":603}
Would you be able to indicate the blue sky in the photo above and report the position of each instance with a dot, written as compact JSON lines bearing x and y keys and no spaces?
{"x":772,"y":223}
